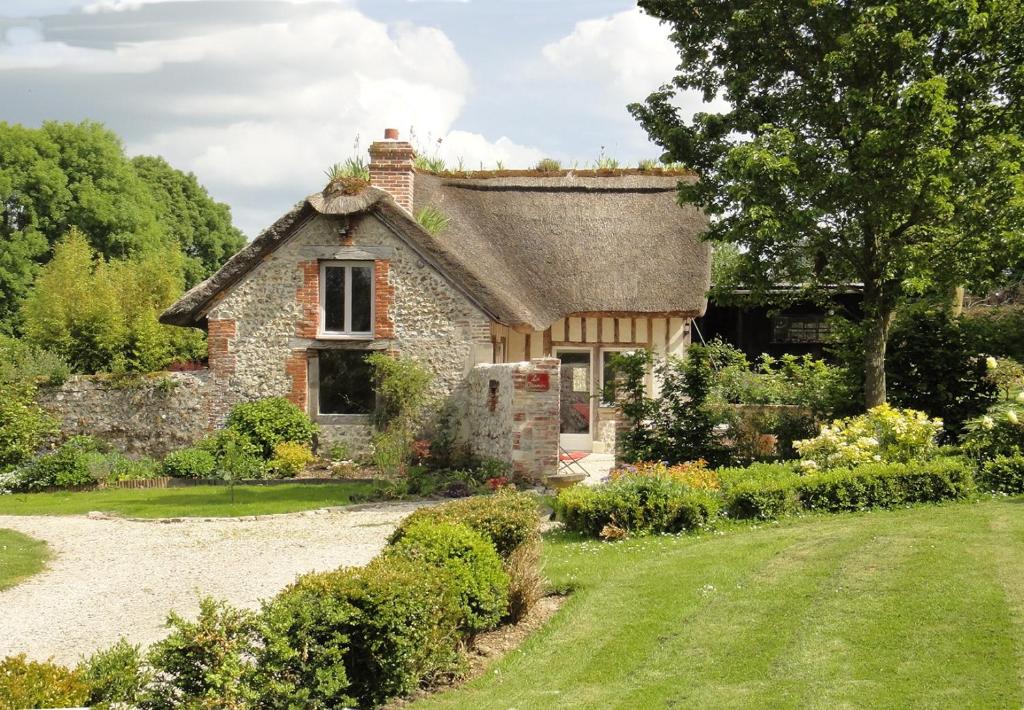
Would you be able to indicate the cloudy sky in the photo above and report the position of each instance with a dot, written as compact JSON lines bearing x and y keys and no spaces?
{"x":258,"y":97}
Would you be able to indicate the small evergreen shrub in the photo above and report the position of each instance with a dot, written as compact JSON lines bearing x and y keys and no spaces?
{"x":192,"y":462}
{"x":357,"y":636}
{"x":115,"y":675}
{"x":290,"y":459}
{"x":207,"y":662}
{"x":635,"y":505}
{"x":268,"y":422}
{"x":470,"y":562}
{"x":67,"y":467}
{"x":761,"y":500}
{"x":507,"y":518}
{"x":1003,"y":474}
{"x":32,"y":684}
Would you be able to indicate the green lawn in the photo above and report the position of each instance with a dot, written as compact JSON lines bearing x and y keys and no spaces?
{"x":20,"y":556}
{"x":197,"y":501}
{"x":919,"y":608}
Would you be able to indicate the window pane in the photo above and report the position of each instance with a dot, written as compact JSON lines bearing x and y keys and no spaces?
{"x":362,"y":298}
{"x":345,"y":382}
{"x":334,"y":299}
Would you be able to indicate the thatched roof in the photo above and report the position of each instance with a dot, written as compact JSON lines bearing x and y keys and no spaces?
{"x":527,"y":249}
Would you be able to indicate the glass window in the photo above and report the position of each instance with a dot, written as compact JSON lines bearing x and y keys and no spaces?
{"x":345,"y":385}
{"x":346,"y":298}
{"x":606,"y":373}
{"x":799,"y":329}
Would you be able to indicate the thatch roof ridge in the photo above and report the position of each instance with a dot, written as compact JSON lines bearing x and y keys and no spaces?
{"x":580,"y":172}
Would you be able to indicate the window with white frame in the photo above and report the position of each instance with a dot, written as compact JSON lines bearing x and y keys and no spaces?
{"x":346,"y":299}
{"x":606,"y":371}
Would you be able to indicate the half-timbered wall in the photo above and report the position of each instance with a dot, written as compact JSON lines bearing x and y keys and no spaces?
{"x":664,"y":335}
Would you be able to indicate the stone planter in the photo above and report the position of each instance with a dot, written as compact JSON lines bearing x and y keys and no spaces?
{"x":564,"y":480}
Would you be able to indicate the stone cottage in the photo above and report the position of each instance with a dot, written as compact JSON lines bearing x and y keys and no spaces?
{"x":573,"y":265}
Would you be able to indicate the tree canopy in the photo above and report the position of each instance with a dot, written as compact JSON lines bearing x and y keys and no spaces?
{"x":867,"y":142}
{"x":62,"y":176}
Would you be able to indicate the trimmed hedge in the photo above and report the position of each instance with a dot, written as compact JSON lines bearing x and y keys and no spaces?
{"x":1003,"y":474}
{"x":33,"y":684}
{"x":637,"y":505}
{"x":357,"y":636}
{"x":268,"y":422}
{"x":860,"y":488}
{"x":507,"y":519}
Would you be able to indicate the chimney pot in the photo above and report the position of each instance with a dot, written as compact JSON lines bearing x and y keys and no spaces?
{"x":391,"y":134}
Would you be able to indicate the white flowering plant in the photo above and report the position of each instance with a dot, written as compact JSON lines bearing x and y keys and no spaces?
{"x":882,"y":434}
{"x":999,"y":432}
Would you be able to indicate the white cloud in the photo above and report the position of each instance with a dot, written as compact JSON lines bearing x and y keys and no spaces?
{"x":273,"y":104}
{"x":474,"y":151}
{"x":627,"y":54}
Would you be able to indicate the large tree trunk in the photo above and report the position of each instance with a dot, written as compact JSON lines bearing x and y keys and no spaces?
{"x":876,"y":334}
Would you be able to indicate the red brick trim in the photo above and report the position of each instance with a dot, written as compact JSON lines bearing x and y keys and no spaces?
{"x":383,"y":295}
{"x":296,"y":366}
{"x":308,"y":297}
{"x":219,"y":335}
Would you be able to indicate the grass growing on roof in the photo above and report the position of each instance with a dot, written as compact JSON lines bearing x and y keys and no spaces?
{"x":195,"y":501}
{"x":920,"y":607}
{"x":432,"y":219}
{"x":20,"y":556}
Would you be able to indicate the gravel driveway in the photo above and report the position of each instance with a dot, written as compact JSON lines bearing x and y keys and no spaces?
{"x":112,"y":578}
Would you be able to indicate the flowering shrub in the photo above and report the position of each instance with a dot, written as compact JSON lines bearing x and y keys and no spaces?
{"x":694,"y":474}
{"x":882,"y":434}
{"x":1000,"y":432}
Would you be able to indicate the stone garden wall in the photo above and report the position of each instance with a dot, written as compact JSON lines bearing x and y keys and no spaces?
{"x":510,"y":413}
{"x":150,"y":415}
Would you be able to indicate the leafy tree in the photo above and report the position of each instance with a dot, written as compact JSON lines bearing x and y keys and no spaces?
{"x":65,"y":175}
{"x":866,"y":142}
{"x":100,"y":315}
{"x":185,"y":209}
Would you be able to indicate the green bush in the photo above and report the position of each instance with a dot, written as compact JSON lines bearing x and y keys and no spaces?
{"x":206,"y":663}
{"x":1000,"y":432}
{"x":189,"y":463}
{"x":24,"y":426}
{"x":268,"y":422}
{"x":868,"y":486}
{"x":764,"y":500}
{"x":67,"y":467}
{"x":996,"y":330}
{"x":236,"y":456}
{"x":357,"y":636}
{"x":886,"y":485}
{"x":471,"y":563}
{"x":115,"y":675}
{"x":635,"y":505}
{"x":1003,"y":474}
{"x":115,"y":466}
{"x":507,"y":519}
{"x":31,"y":684}
{"x":25,"y":363}
{"x":290,"y":459}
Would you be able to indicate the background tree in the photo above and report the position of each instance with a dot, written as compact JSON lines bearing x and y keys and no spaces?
{"x":63,"y":175}
{"x":866,"y":142}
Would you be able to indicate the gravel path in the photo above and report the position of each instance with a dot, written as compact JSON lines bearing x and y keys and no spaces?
{"x":112,"y":578}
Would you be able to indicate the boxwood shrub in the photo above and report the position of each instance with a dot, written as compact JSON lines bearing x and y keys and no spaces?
{"x":637,"y":505}
{"x":471,"y":563}
{"x":357,"y":636}
{"x":507,"y":519}
{"x":268,"y":422}
{"x":189,"y":463}
{"x":33,"y":684}
{"x":1003,"y":474}
{"x":866,"y":486}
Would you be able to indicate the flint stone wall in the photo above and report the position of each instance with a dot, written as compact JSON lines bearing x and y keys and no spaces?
{"x":151,"y":416}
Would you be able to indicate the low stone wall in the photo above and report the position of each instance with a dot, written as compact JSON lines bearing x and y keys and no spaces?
{"x":151,"y":415}
{"x":510,"y":413}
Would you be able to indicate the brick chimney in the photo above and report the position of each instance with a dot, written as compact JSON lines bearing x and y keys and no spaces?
{"x":391,"y":167}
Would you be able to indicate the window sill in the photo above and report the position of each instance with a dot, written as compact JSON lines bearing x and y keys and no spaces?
{"x":344,"y":336}
{"x":343,"y":419}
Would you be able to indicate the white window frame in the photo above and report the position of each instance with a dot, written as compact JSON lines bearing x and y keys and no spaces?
{"x":600,"y":367}
{"x":346,"y":334}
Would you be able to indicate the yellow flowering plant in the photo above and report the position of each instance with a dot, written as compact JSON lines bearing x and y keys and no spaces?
{"x":882,"y":434}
